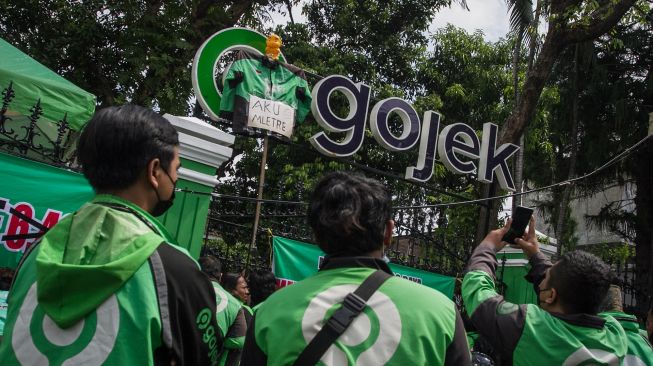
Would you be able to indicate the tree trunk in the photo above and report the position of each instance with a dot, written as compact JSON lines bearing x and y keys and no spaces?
{"x":535,"y":81}
{"x":519,"y":162}
{"x":566,"y":193}
{"x":532,"y":45}
{"x":487,"y":218}
{"x":519,"y":175}
{"x":644,"y":238}
{"x":289,"y":7}
{"x":558,"y":37}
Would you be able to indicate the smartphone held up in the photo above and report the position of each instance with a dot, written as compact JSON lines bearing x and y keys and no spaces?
{"x":520,"y":218}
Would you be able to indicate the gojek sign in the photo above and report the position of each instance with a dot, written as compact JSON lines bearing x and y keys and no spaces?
{"x":453,"y":144}
{"x":457,"y":145}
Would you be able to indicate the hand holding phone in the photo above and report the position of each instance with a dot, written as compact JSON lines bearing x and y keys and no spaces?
{"x":520,"y":218}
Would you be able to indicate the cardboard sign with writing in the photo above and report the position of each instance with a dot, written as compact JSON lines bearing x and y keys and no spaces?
{"x":271,"y":115}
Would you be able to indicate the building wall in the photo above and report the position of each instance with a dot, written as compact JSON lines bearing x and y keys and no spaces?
{"x":581,"y":207}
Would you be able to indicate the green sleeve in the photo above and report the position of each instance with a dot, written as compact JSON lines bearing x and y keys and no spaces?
{"x":477,"y":287}
{"x":304,"y":105}
{"x":500,"y":322}
{"x":229,"y":90}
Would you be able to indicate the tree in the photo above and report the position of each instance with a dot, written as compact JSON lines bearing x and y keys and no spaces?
{"x":570,"y":22}
{"x":521,"y":24}
{"x":122,"y":51}
{"x":389,"y":35}
{"x":606,"y":87}
{"x":624,"y":68}
{"x":465,"y":78}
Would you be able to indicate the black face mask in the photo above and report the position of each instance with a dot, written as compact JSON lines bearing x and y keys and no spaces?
{"x":163,"y":205}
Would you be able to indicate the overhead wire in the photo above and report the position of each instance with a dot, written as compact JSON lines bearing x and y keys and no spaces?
{"x":482,"y":201}
{"x":609,"y":163}
{"x":612,"y":161}
{"x":363,"y":167}
{"x":228,"y":123}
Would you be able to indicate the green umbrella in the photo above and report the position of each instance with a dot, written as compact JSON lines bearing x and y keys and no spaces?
{"x":32,"y":81}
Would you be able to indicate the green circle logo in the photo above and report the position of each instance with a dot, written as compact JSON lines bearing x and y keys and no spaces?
{"x":207,"y":57}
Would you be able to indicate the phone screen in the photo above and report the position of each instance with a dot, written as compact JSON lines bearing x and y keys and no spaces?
{"x":520,"y":219}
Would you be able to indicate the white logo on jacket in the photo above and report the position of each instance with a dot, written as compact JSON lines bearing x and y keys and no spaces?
{"x":95,"y":353}
{"x":389,"y":324}
{"x":584,"y":355}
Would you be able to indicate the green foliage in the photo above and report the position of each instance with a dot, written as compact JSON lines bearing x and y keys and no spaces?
{"x":617,"y":254}
{"x":141,"y":52}
{"x":521,"y":15}
{"x":612,"y":102}
{"x":388,"y":35}
{"x":470,"y":75}
{"x":121,"y":51}
{"x":233,"y":255}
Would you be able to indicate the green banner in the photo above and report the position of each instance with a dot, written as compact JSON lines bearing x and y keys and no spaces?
{"x":294,"y":260}
{"x":34,"y":197}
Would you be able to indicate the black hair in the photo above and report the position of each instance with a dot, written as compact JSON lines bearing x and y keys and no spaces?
{"x":348,"y":213}
{"x":211,"y":266}
{"x":261,"y":285}
{"x":230,"y":280}
{"x":6,"y":277}
{"x":118,"y":143}
{"x":581,"y":280}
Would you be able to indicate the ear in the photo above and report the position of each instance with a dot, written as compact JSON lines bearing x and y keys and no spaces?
{"x":553,"y":297}
{"x":153,"y":172}
{"x":387,"y":236}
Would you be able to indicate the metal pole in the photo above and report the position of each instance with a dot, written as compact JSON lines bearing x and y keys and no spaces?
{"x":261,"y":183}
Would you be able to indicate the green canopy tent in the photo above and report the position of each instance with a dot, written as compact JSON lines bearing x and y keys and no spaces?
{"x":37,"y":97}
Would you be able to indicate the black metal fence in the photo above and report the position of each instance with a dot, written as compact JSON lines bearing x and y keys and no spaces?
{"x":418,"y":242}
{"x":635,"y":300}
{"x":28,"y":136}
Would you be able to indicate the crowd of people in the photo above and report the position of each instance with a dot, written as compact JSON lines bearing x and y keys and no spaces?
{"x":107,"y":285}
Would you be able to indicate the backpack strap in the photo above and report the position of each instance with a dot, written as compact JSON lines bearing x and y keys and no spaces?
{"x":352,"y":306}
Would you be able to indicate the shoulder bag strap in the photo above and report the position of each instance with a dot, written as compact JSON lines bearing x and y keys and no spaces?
{"x":352,"y":306}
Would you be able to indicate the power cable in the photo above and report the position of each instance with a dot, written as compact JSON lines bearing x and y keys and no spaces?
{"x":238,"y":198}
{"x":612,"y":161}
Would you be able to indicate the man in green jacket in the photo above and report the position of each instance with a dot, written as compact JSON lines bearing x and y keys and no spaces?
{"x":565,"y":329}
{"x":639,"y":348}
{"x":105,"y":286}
{"x":230,"y":314}
{"x":402,"y":323}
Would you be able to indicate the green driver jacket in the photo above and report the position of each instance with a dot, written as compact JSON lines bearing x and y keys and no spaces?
{"x":528,"y":335}
{"x":105,"y":287}
{"x":403,"y":323}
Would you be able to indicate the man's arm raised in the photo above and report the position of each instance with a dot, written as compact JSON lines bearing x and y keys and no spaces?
{"x":499,"y":321}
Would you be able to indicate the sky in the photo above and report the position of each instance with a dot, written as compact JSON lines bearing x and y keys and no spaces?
{"x":490,"y":16}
